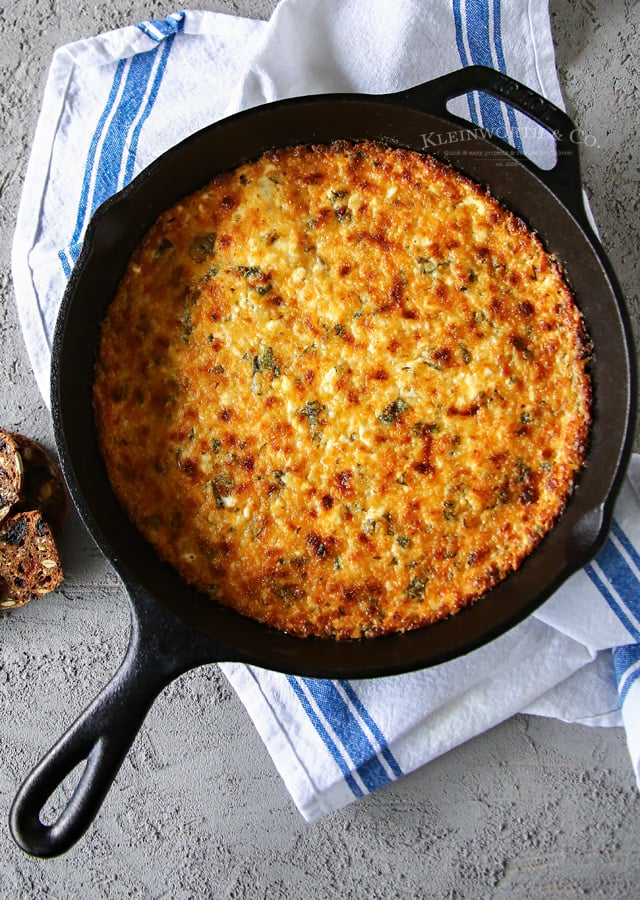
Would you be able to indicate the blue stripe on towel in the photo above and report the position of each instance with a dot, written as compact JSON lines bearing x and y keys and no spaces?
{"x":480,"y":49}
{"x":502,"y":65}
{"x":115,"y":140}
{"x":159,"y":29}
{"x":626,"y":543}
{"x":354,"y":742}
{"x":612,"y":602}
{"x":622,"y":578}
{"x":627,"y":665}
{"x":350,"y":732}
{"x":104,"y":173}
{"x":477,"y":27}
{"x":149,"y":28}
{"x":457,"y":18}
{"x":63,"y":256}
{"x":133,"y":144}
{"x":328,"y":741}
{"x":95,"y":140}
{"x":373,"y":727}
{"x":462,"y":51}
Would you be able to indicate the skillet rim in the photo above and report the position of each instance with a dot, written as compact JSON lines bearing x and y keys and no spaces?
{"x":395,"y":660}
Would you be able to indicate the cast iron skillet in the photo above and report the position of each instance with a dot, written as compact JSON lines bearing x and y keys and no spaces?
{"x":174,"y":627}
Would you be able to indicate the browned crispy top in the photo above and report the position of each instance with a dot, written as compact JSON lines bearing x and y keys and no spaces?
{"x":343,"y":390}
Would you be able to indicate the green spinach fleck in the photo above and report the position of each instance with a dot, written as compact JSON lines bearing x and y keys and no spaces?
{"x":163,"y":245}
{"x":248,"y":271}
{"x":202,"y":246}
{"x":312,"y":411}
{"x":391,"y":412}
{"x":415,"y":588}
{"x":266,"y":362}
{"x":428,"y":266}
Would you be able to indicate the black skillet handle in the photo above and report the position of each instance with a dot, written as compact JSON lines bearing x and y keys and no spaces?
{"x":564,"y":178}
{"x":160,"y":649}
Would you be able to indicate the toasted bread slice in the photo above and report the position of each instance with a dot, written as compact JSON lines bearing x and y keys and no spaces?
{"x":42,"y":484}
{"x":29,"y":562}
{"x":11,"y":473}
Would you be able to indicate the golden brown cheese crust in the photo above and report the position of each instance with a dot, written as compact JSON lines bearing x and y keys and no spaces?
{"x":342,"y":390}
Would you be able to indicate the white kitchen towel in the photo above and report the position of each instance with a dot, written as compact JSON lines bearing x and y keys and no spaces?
{"x":112,"y":104}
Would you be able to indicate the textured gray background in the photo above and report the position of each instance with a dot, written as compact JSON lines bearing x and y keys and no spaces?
{"x":534,"y":808}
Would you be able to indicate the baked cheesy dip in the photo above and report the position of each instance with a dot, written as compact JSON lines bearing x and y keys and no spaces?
{"x":342,"y":390}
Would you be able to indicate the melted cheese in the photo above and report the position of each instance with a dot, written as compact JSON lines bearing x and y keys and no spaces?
{"x":342,"y":390}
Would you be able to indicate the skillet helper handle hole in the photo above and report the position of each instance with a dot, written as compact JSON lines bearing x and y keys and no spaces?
{"x":100,"y":737}
{"x":563,"y":178}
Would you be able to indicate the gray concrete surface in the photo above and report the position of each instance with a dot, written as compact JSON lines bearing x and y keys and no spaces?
{"x":534,"y":808}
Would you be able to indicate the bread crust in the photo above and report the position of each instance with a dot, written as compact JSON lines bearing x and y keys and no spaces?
{"x":42,"y":484}
{"x":29,"y":562}
{"x":343,"y":390}
{"x":11,"y":473}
